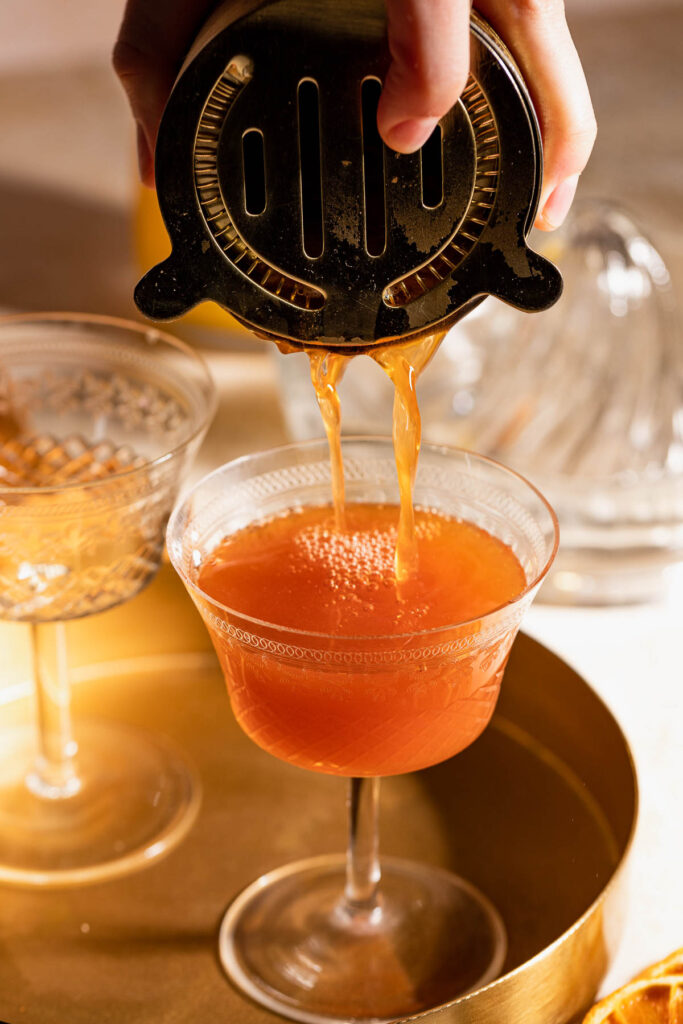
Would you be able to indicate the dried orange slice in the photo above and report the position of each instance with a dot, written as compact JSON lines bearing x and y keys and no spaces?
{"x":670,"y":965}
{"x":654,"y":997}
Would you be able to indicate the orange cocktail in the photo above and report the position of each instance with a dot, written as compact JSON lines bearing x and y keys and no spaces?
{"x":349,"y":654}
{"x":413,"y":706}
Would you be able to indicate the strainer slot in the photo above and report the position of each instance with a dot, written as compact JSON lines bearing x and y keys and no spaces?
{"x":440,"y":267}
{"x":431,"y":170}
{"x":254,"y":168}
{"x":373,"y":169}
{"x":308,"y":101}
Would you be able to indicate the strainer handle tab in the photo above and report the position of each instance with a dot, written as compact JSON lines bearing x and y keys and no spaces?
{"x":525,"y":280}
{"x":172,"y":288}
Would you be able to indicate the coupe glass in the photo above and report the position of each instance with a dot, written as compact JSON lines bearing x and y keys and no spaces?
{"x":334,"y":938}
{"x":98,"y":421}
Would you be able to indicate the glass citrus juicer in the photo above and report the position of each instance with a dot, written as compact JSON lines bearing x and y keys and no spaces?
{"x":99,"y":419}
{"x":284,"y":207}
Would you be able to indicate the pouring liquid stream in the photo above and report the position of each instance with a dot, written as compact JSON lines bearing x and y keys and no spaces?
{"x":403,"y":364}
{"x":327,"y":369}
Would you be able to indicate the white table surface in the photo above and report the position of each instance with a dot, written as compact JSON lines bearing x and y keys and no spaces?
{"x":629,"y":655}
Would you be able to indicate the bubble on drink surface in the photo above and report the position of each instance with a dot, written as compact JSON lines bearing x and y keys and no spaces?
{"x":429,"y":524}
{"x":350,"y":558}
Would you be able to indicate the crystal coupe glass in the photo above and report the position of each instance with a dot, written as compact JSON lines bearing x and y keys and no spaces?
{"x":99,"y":419}
{"x":335,"y":938}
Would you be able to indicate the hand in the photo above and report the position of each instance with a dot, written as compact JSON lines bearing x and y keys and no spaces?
{"x":429,"y":45}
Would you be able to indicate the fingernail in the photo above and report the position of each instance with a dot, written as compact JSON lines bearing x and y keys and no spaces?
{"x":144,"y":154}
{"x":407,"y":136}
{"x":559,"y":201}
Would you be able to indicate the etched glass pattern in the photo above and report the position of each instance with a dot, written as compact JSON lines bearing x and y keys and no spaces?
{"x":95,"y":433}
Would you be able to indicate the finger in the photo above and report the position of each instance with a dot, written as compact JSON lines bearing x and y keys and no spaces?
{"x":153,"y":39}
{"x":429,"y":44}
{"x":538,"y":35}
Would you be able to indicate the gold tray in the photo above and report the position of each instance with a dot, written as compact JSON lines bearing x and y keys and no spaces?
{"x":538,"y":814}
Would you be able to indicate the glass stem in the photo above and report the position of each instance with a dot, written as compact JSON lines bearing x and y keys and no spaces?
{"x":53,"y":775}
{"x":362,"y":857}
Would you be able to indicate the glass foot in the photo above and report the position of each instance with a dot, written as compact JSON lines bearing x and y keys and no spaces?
{"x":133,"y":799}
{"x":291,"y":943}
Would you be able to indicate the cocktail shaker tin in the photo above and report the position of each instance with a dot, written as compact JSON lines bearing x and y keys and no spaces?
{"x":284,"y":206}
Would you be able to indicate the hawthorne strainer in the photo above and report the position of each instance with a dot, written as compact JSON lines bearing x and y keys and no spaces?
{"x":284,"y":206}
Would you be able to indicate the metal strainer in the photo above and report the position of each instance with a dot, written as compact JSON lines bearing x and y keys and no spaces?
{"x":284,"y":206}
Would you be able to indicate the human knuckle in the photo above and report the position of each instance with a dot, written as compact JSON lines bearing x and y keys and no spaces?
{"x":437,"y":94}
{"x":582,"y":138}
{"x":127,"y":59}
{"x":573,"y":147}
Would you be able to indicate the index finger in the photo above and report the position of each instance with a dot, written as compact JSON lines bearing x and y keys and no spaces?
{"x":429,"y":42}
